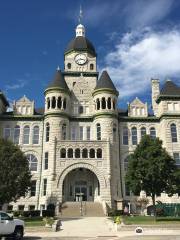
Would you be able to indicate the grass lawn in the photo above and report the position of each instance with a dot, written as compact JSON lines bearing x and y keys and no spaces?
{"x":150,"y":220}
{"x":29,"y":223}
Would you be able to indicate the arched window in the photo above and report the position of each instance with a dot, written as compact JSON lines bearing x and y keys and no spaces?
{"x":84,"y":153}
{"x":53,"y":102}
{"x":70,"y":153}
{"x":69,"y":65}
{"x":109,"y":103}
{"x":36,"y":135}
{"x":77,"y":153}
{"x":125,"y":136}
{"x":48,"y":103}
{"x":47,"y":132}
{"x":114,"y":132}
{"x":98,"y":104}
{"x":26,"y":132}
{"x":99,"y":153}
{"x":152,"y":133}
{"x":134,"y":135}
{"x":59,"y":102}
{"x":63,"y":137}
{"x":92,"y":153}
{"x":16,"y":134}
{"x":143,"y":132}
{"x":98,"y":131}
{"x":7,"y":132}
{"x":63,"y":153}
{"x":114,"y":104}
{"x":126,"y":164}
{"x":173,"y":132}
{"x":103,"y":103}
{"x":64,"y":103}
{"x":33,"y":162}
{"x":91,"y":66}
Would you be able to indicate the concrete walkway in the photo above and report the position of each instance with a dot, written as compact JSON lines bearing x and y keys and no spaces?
{"x":95,"y":227}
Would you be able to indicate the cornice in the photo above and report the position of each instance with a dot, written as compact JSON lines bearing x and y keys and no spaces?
{"x":105,"y":90}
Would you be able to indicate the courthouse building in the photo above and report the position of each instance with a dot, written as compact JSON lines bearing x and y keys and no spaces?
{"x":80,"y":140}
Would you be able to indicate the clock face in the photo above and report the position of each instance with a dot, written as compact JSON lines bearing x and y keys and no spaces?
{"x":80,"y":59}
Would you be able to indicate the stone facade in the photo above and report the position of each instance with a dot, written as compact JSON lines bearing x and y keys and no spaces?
{"x":80,"y":142}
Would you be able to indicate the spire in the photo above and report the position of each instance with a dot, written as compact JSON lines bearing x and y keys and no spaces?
{"x":80,"y":29}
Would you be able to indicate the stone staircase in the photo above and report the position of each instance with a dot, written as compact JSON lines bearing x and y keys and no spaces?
{"x":89,"y":209}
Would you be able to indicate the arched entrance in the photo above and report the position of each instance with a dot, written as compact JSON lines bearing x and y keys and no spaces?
{"x":80,"y":183}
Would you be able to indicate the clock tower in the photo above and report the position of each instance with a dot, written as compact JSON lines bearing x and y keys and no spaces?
{"x":80,"y":72}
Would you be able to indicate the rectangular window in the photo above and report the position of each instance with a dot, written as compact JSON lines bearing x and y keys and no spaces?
{"x":21,"y":207}
{"x":88,"y":136}
{"x":33,"y":188}
{"x":7,"y":133}
{"x":81,"y":133}
{"x":73,"y":133}
{"x":127,"y":190}
{"x":170,"y":106}
{"x":176,"y":106}
{"x":45,"y":187}
{"x":177,"y":158}
{"x":10,"y":208}
{"x":31,"y":207}
{"x":46,"y":158}
{"x":125,"y":136}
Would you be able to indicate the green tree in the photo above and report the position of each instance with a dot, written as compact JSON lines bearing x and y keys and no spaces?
{"x":15,"y":177}
{"x":151,"y":169}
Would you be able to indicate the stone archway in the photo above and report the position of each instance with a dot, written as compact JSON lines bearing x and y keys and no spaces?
{"x":86,"y":166}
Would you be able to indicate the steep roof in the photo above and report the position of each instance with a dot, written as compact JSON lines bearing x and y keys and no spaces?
{"x":105,"y":82}
{"x":80,"y":43}
{"x":58,"y":81}
{"x":170,"y":89}
{"x":2,"y":96}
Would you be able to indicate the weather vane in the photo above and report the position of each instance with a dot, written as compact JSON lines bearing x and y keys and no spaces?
{"x":80,"y":15}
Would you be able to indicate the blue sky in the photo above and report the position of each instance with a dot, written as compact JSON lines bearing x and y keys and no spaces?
{"x":136,"y":40}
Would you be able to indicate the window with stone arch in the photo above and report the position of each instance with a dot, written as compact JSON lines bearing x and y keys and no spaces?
{"x":103,"y":101}
{"x":91,"y":66}
{"x":84,"y":153}
{"x":63,"y":153}
{"x":92,"y":153}
{"x":47,"y":132}
{"x":98,"y":131}
{"x":143,"y":132}
{"x":134,"y":135}
{"x":99,"y":153}
{"x":36,"y":135}
{"x":77,"y":153}
{"x":59,"y":104}
{"x":114,"y":104}
{"x":53,"y":102}
{"x":16,"y":134}
{"x":48,"y":103}
{"x":109,"y":103}
{"x":64,"y":134}
{"x":33,"y":162}
{"x":97,"y":104}
{"x":64,"y":104}
{"x":152,"y":132}
{"x":26,"y":132}
{"x":173,"y":132}
{"x":70,"y":153}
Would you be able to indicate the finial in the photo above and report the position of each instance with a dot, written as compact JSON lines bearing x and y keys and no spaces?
{"x":80,"y":15}
{"x":58,"y":68}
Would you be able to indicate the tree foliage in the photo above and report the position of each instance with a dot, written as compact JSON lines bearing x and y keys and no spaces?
{"x":15,"y":177}
{"x":151,"y":169}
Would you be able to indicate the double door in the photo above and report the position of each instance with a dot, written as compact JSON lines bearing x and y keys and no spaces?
{"x":80,"y":193}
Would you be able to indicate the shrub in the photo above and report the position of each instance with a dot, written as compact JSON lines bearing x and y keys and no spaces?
{"x":48,"y":213}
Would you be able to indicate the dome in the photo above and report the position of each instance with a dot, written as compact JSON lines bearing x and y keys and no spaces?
{"x":81,"y":43}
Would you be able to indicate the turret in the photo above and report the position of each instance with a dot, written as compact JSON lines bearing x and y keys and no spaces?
{"x":155,"y":93}
{"x":105,"y":101}
{"x":57,"y":95}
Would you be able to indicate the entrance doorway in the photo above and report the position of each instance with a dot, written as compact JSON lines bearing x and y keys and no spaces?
{"x":80,"y":184}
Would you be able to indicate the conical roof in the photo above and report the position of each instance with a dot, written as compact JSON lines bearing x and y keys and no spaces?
{"x":58,"y":81}
{"x":105,"y":82}
{"x":170,"y":89}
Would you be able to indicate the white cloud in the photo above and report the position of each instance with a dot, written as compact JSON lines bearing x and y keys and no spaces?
{"x":141,"y":13}
{"x":142,"y":56}
{"x":19,"y":84}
